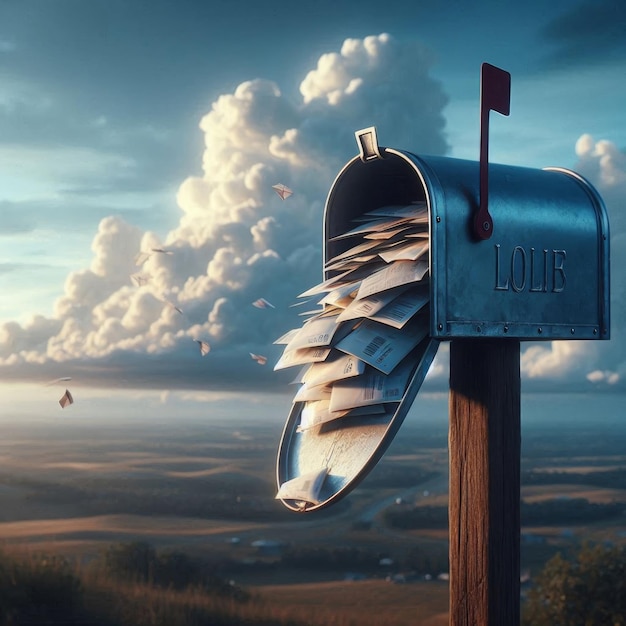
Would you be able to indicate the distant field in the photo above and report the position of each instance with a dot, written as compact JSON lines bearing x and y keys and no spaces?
{"x":368,"y":602}
{"x":537,"y":493}
{"x":75,"y":489}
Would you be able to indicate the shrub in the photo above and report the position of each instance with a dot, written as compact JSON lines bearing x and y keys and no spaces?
{"x":38,"y":587}
{"x":132,"y":561}
{"x":138,"y":561}
{"x":588,"y":590}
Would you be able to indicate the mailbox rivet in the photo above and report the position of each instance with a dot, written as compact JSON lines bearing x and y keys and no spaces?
{"x":477,"y":329}
{"x":539,"y":330}
{"x":438,"y":219}
{"x":595,"y":331}
{"x":572,"y":331}
{"x":486,"y":226}
{"x":506,"y":329}
{"x":440,"y":326}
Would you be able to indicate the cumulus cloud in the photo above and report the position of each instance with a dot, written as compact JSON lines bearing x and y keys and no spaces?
{"x":236,"y":240}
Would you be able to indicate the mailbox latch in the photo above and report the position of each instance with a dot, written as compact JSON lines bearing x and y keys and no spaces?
{"x":367,"y":141}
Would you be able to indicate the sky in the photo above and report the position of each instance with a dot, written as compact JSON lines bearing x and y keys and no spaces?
{"x":127,"y":126}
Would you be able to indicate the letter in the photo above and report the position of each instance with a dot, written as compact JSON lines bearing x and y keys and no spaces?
{"x":518,"y":287}
{"x":558,"y":257}
{"x":499,"y":286}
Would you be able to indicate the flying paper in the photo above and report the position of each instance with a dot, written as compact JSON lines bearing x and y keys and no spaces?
{"x":171,"y":304}
{"x":205,"y":348}
{"x":282,"y":190}
{"x":262,"y":303}
{"x":261,"y":360}
{"x":66,"y":399}
{"x":63,"y":379}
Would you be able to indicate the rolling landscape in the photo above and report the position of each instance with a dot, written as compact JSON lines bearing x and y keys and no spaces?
{"x":202,"y":492}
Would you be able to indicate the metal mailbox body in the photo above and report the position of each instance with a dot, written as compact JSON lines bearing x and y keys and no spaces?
{"x":544,"y":272}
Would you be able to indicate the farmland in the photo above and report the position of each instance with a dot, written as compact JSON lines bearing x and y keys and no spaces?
{"x":207,"y":490}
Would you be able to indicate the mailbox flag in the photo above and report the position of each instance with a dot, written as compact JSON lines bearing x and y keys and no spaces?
{"x":495,"y":89}
{"x":495,"y":95}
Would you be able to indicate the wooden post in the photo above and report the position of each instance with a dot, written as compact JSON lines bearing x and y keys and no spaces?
{"x":484,"y":508}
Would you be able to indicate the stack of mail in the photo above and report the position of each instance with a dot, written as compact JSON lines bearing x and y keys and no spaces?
{"x":358,"y":349}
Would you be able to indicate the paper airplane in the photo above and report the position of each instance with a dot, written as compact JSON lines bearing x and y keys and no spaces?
{"x":262,"y":303}
{"x":66,"y":399}
{"x":162,"y":250}
{"x":282,"y":190}
{"x":205,"y":348}
{"x":261,"y":360}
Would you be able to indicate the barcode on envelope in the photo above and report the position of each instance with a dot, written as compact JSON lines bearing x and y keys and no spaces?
{"x":397,"y":313}
{"x":374,"y":345}
{"x":376,"y":387}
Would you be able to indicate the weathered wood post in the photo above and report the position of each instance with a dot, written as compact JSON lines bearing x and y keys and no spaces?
{"x":484,"y":505}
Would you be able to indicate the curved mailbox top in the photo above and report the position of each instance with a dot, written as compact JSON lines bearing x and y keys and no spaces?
{"x":544,"y":273}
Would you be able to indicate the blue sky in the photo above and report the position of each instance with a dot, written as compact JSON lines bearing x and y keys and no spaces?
{"x":131,"y":125}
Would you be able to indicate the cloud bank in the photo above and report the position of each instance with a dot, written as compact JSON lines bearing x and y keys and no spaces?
{"x":236,"y":240}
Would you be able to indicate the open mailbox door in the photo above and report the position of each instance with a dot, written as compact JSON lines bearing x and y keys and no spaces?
{"x":401,"y":225}
{"x":376,"y":295}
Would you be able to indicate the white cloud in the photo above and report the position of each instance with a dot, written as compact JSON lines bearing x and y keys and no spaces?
{"x":236,"y":240}
{"x":599,"y":376}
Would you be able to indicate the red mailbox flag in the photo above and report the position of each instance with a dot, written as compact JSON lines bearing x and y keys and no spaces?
{"x":495,"y":95}
{"x":495,"y":90}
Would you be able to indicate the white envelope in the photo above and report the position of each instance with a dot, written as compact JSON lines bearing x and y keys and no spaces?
{"x":337,"y":367}
{"x":393,"y":275}
{"x":382,"y":346}
{"x":372,"y":388}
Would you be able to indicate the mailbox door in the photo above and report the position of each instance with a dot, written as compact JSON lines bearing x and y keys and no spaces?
{"x":349,"y":447}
